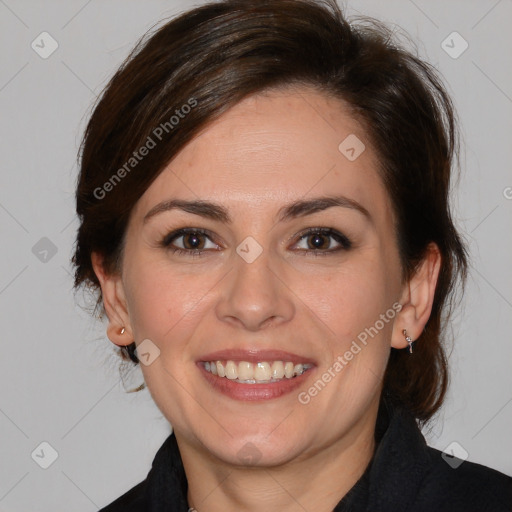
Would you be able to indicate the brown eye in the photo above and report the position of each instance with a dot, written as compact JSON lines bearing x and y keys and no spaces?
{"x":318,"y":241}
{"x":322,"y":241}
{"x":189,"y":241}
{"x":193,"y":241}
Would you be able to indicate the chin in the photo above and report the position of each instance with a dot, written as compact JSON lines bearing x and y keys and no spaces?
{"x":256,"y":449}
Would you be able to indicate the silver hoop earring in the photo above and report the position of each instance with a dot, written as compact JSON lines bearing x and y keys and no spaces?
{"x":409,"y":340}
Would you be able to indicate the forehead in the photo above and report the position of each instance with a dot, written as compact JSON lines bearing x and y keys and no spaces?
{"x":274,"y":148}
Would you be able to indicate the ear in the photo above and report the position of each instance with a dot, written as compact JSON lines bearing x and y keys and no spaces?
{"x":417,"y":299}
{"x":115,"y":303}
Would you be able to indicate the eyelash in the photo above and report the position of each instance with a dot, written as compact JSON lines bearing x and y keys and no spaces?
{"x":342,"y":240}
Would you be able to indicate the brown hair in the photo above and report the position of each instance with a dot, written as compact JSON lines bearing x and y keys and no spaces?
{"x":212,"y":57}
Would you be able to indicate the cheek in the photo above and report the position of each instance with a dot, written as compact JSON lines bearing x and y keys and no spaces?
{"x":356,"y":305}
{"x":348,"y":298}
{"x":165,"y":305}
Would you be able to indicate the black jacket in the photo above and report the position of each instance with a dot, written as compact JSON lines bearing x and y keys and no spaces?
{"x":404,"y":475}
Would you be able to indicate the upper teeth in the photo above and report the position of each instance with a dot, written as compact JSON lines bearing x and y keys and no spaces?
{"x":249,"y":373}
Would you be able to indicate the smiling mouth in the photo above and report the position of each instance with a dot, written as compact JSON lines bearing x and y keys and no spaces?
{"x":262,"y":372}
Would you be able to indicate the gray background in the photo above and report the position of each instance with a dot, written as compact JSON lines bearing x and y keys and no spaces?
{"x":59,"y":380}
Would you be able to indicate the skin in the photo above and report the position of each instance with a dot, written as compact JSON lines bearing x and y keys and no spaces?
{"x":267,"y":151}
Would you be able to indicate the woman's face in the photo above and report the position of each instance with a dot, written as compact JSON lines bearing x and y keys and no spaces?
{"x":283,"y":276}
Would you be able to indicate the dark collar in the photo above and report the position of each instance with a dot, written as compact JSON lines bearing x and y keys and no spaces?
{"x":394,"y":475}
{"x":391,"y":480}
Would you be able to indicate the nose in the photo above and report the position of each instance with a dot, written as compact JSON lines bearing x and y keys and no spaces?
{"x":254,"y":296}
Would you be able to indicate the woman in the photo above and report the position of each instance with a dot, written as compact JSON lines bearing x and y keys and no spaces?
{"x":264,"y":212}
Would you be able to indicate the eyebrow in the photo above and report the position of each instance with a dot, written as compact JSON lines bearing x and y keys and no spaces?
{"x":299,"y":208}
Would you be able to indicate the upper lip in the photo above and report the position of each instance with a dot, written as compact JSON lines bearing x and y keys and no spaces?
{"x":255,"y":356}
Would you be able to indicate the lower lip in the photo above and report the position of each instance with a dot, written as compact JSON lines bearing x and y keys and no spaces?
{"x":253,"y":392}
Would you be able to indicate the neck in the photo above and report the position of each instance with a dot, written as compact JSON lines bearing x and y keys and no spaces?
{"x":317,"y":482}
